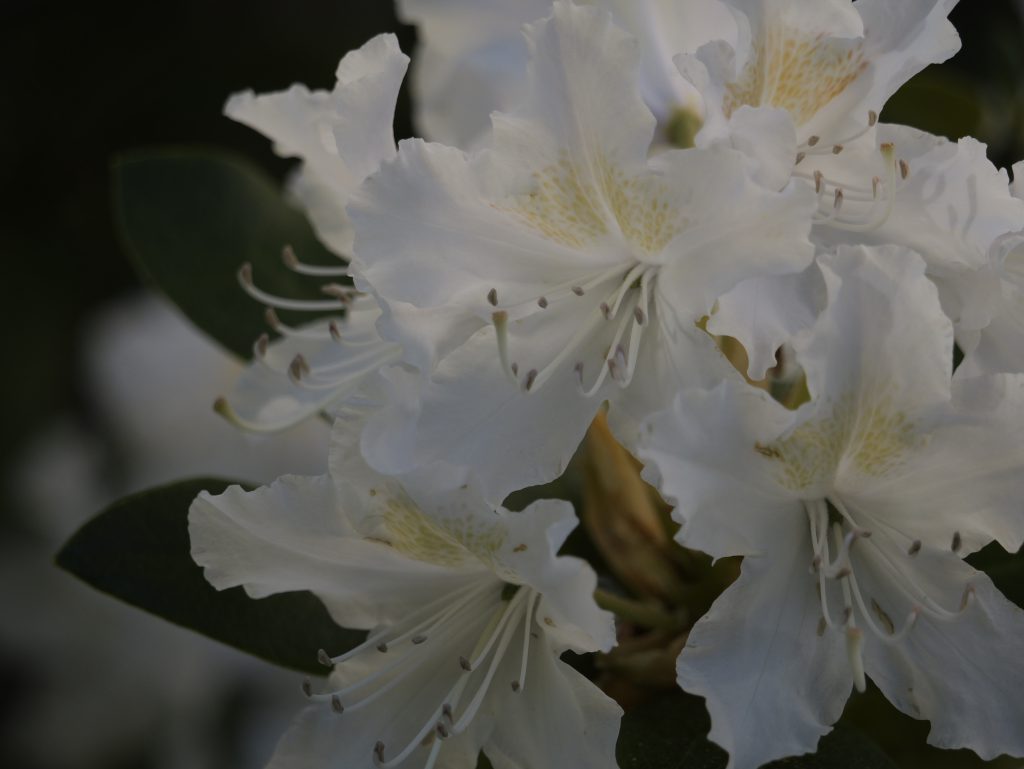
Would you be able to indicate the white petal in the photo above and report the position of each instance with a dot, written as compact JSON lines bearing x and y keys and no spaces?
{"x":765,"y":313}
{"x":883,"y":335}
{"x":558,"y":719}
{"x":471,"y":414}
{"x":342,"y":136}
{"x":773,"y":686}
{"x":292,"y":535}
{"x":737,"y":229}
{"x":703,"y":455}
{"x":967,"y":478}
{"x":470,"y":62}
{"x":962,"y":674}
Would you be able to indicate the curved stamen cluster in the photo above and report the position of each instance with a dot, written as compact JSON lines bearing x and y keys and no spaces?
{"x":625,"y":309}
{"x":853,"y":207}
{"x":365,"y":350}
{"x":412,"y":646}
{"x":834,"y":533}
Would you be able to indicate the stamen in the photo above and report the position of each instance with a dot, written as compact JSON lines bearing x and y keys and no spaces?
{"x":813,"y":140}
{"x":578,"y":290}
{"x":292,"y":262}
{"x":336,"y":705}
{"x":500,"y":320}
{"x":915,"y":548}
{"x":542,"y":302}
{"x":837,"y":148}
{"x":957,"y":542}
{"x":324,"y":658}
{"x":307,"y":687}
{"x":245,"y":278}
{"x":261,"y":345}
{"x":492,"y":297}
{"x":904,"y":169}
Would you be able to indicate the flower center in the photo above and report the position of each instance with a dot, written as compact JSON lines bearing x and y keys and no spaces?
{"x":834,"y":532}
{"x":613,"y":326}
{"x":477,"y":624}
{"x":796,"y":71}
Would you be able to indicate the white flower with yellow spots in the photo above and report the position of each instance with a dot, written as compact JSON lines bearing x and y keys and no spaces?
{"x":577,"y":268}
{"x":803,"y":78}
{"x":469,"y":609}
{"x":853,"y":514}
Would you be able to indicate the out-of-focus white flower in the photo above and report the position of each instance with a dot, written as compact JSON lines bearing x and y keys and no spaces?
{"x":472,"y":57}
{"x":570,"y":268}
{"x":127,"y":684}
{"x":468,"y":605}
{"x":854,"y":513}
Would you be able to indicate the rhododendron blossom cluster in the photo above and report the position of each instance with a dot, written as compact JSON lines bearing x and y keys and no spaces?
{"x":688,"y":219}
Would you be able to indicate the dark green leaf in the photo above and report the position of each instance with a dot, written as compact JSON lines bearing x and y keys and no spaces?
{"x":670,"y":732}
{"x":138,"y":550}
{"x":191,"y":218}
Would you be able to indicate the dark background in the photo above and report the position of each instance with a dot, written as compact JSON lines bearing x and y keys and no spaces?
{"x":84,"y":81}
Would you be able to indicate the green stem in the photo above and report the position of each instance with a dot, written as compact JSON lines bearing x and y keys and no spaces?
{"x":636,"y":612}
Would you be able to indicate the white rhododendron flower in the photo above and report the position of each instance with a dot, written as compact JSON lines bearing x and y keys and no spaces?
{"x":468,"y":606}
{"x":575,"y":268}
{"x":854,"y":513}
{"x":801,"y":79}
{"x":472,"y":57}
{"x":342,"y":137}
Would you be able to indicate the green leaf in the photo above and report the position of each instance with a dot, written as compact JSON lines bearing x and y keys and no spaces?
{"x":670,"y":732}
{"x":138,"y":550}
{"x":191,"y":218}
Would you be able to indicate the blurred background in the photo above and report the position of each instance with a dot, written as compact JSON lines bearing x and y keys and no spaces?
{"x":99,"y":375}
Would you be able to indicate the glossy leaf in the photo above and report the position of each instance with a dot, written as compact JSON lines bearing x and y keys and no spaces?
{"x":191,"y":218}
{"x":138,"y":550}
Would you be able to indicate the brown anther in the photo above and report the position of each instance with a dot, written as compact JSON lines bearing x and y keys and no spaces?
{"x":843,"y":573}
{"x":904,"y":169}
{"x":335,"y":332}
{"x":289,"y":258}
{"x":298,"y":367}
{"x":968,"y":594}
{"x":837,"y":202}
{"x":378,"y":751}
{"x":336,"y":705}
{"x":418,"y":639}
{"x":606,"y":310}
{"x":639,"y":315}
{"x":800,"y":157}
{"x":875,"y":182}
{"x":262,"y":343}
{"x":822,"y":626}
{"x":957,"y":542}
{"x":578,"y":290}
{"x":819,"y":179}
{"x":531,"y":377}
{"x":324,"y":658}
{"x":516,"y":686}
{"x":382,"y":647}
{"x":442,"y":730}
{"x":492,"y":297}
{"x":245,"y":273}
{"x":847,"y":615}
{"x":307,"y":687}
{"x":515,"y":368}
{"x":813,"y":140}
{"x":542,"y":302}
{"x":446,"y":711}
{"x":836,"y":149}
{"x":465,"y":664}
{"x":270,"y":316}
{"x":915,"y":547}
{"x":872,"y":117}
